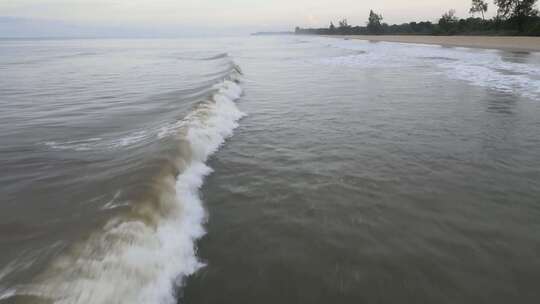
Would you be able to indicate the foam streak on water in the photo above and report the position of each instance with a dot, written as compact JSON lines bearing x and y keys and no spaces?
{"x":142,"y":257}
{"x":484,"y":68}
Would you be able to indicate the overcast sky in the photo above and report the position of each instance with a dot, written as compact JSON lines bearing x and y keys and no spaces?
{"x":257,"y":14}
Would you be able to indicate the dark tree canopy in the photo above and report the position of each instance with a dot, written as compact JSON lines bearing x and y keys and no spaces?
{"x":516,"y":17}
{"x":447,"y":21}
{"x":516,"y":8}
{"x":344,"y":27}
{"x":374,"y":23}
{"x":343,"y":23}
{"x":332,"y":27}
{"x":449,"y":16}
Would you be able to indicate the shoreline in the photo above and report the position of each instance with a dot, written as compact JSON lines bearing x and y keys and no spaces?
{"x":507,"y":43}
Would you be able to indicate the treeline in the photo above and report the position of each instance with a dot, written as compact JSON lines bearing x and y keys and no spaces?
{"x":514,"y":17}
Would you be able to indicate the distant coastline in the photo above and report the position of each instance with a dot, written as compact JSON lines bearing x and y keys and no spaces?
{"x":272,"y":33}
{"x":514,"y":18}
{"x":516,"y":44}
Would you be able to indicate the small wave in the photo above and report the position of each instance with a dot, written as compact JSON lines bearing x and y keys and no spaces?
{"x":208,"y":58}
{"x":139,"y":136}
{"x":82,"y":145}
{"x":7,"y":293}
{"x":485,"y":68}
{"x":8,"y":270}
{"x":143,"y":256}
{"x":77,"y":145}
{"x":495,"y":78}
{"x":52,"y":58}
{"x":132,"y":138}
{"x":219,"y":56}
{"x":129,"y":139}
{"x":440,"y":58}
{"x":24,"y":262}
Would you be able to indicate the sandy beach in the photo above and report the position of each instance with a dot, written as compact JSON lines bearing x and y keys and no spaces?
{"x":523,"y":44}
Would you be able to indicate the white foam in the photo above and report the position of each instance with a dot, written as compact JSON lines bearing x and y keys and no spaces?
{"x":485,"y":68}
{"x":124,"y":140}
{"x":132,"y":261}
{"x":7,"y":293}
{"x":115,"y":202}
{"x":491,"y":72}
{"x":76,"y":145}
{"x":9,"y":268}
{"x":131,"y":139}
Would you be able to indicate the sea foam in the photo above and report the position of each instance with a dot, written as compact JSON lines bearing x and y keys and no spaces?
{"x":144,"y":257}
{"x":492,"y":69}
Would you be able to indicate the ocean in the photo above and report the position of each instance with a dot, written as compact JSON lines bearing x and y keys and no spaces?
{"x":287,"y":169}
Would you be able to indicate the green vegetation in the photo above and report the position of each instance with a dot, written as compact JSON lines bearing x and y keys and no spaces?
{"x":514,"y":17}
{"x":374,"y":23}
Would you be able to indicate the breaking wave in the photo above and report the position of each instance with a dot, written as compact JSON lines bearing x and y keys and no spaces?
{"x":504,"y":72}
{"x":144,"y":255}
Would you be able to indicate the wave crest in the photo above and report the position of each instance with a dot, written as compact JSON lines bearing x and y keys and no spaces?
{"x":144,"y":255}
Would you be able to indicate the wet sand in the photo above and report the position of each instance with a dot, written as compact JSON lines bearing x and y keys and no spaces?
{"x":522,"y":44}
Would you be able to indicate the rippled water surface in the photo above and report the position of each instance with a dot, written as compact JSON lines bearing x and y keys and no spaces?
{"x":268,"y":170}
